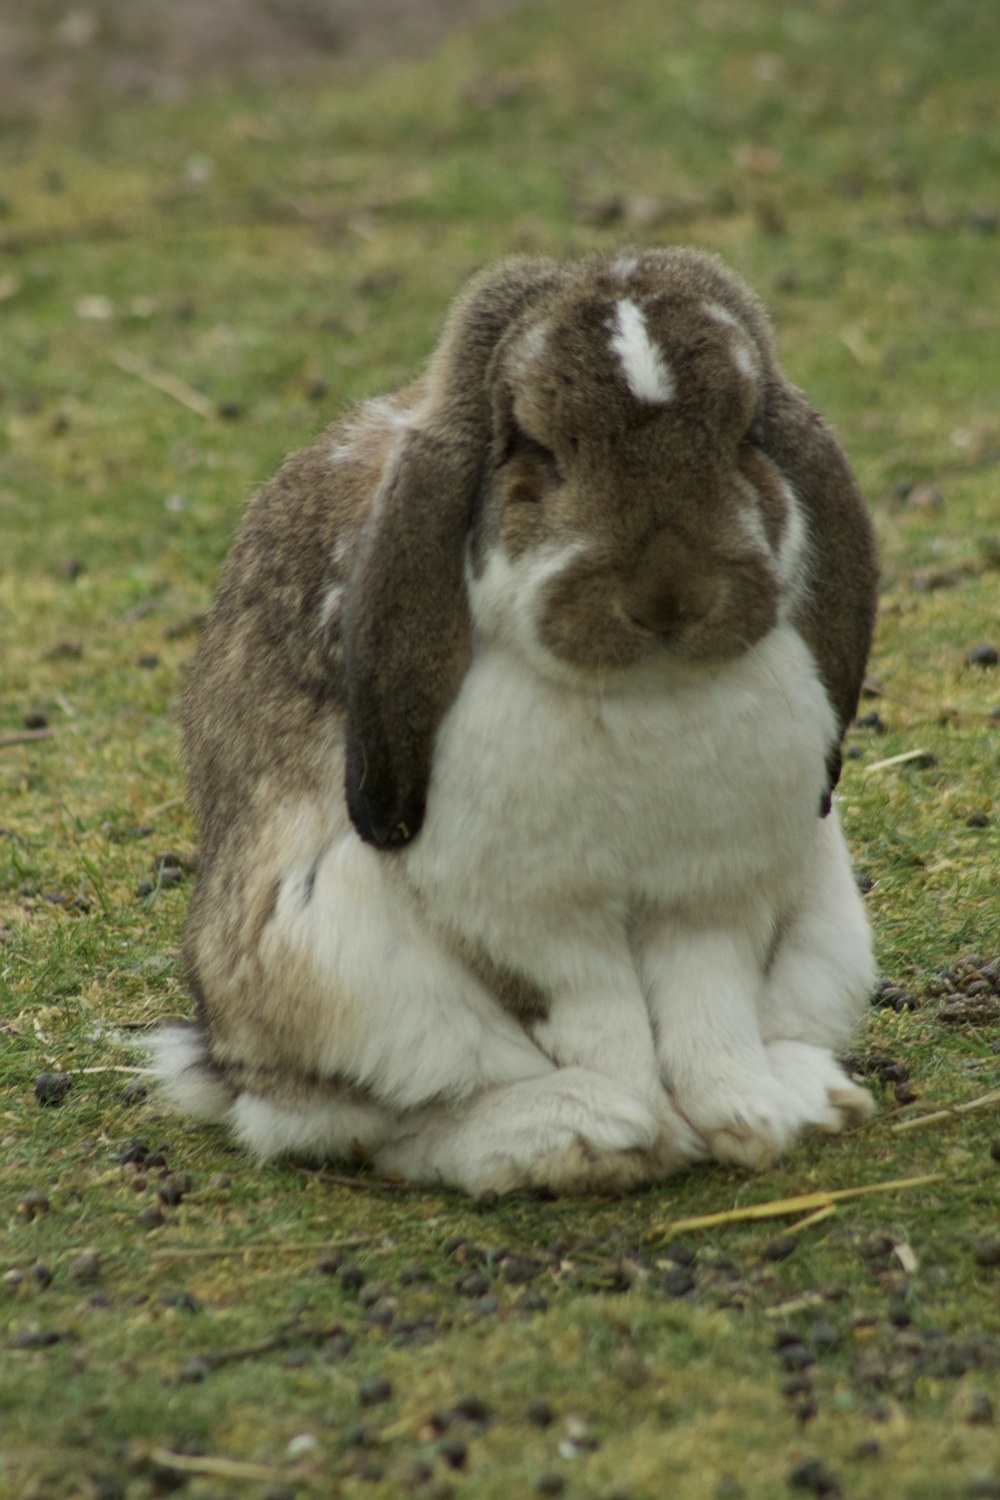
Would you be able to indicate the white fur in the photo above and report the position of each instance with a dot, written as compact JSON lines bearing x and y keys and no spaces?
{"x":744,"y":360}
{"x":403,"y":1019}
{"x":507,"y":599}
{"x":645,"y":368}
{"x":407,"y":1022}
{"x":630,"y":795}
{"x":613,"y":847}
{"x":570,"y":1129}
{"x":791,"y":556}
{"x":754,"y":529}
{"x":823,"y":970}
{"x":793,"y":553}
{"x":625,"y":266}
{"x":740,"y":1071}
{"x":379,"y":412}
{"x":329,"y":608}
{"x":528,"y":351}
{"x":743,"y":355}
{"x":721,"y":314}
{"x":178,"y":1061}
{"x":327,"y":1128}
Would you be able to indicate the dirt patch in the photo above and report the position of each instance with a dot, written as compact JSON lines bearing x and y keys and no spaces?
{"x":51,"y":54}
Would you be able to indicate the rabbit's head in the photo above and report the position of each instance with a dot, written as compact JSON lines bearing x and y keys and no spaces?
{"x":605,"y":470}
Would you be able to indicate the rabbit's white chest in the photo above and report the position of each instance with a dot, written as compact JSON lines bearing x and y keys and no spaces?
{"x":691,"y":788}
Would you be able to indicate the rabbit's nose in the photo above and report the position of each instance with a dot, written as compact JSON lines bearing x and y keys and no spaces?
{"x":665,"y":616}
{"x":667,"y":594}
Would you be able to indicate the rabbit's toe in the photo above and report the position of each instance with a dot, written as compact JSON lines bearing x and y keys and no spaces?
{"x":621,"y":1143}
{"x":747,"y":1119}
{"x":828,"y":1099}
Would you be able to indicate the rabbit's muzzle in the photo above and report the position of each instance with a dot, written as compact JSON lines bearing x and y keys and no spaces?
{"x":598,"y":616}
{"x":669,"y":593}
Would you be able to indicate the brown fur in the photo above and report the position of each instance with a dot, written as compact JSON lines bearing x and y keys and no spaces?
{"x":521,"y":996}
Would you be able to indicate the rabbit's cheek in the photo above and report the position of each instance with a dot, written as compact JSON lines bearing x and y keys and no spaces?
{"x":746,"y":610}
{"x":583,"y":623}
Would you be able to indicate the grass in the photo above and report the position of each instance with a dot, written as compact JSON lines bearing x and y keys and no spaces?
{"x":284,"y":252}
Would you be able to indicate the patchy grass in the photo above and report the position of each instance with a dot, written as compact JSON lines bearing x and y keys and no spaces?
{"x":180,"y":1312}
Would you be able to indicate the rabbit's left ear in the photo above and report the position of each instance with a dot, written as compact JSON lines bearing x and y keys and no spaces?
{"x":836,"y":613}
{"x":406,"y":626}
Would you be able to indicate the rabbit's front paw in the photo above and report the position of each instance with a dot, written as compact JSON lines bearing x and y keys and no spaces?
{"x":829,"y":1100}
{"x":752,"y":1116}
{"x":747,"y":1118}
{"x":570,"y":1130}
{"x":619,"y":1139}
{"x":590,"y":1133}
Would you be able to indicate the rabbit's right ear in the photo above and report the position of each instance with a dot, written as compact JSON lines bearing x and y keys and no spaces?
{"x":405,"y":620}
{"x":836,"y":613}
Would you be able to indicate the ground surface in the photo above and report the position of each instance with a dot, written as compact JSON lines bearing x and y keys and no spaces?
{"x":189,"y":286}
{"x":52,"y":53}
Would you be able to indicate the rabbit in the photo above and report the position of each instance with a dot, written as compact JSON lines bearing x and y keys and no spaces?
{"x":512,"y":738}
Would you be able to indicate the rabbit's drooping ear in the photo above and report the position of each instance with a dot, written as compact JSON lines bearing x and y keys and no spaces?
{"x":836,"y":613}
{"x":406,"y":631}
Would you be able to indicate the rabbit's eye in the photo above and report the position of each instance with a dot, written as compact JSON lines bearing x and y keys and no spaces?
{"x":521,"y":446}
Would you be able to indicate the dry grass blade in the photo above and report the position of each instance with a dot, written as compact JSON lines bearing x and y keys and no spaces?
{"x":115,"y":1068}
{"x":25,"y":737}
{"x":897,"y":760}
{"x":366,"y":1182}
{"x":162,"y":807}
{"x":212,"y":1252}
{"x":827,"y":1212}
{"x":985,"y":1101}
{"x":795,"y":1305}
{"x":178,"y":390}
{"x":215,"y":1468}
{"x":802,"y":1203}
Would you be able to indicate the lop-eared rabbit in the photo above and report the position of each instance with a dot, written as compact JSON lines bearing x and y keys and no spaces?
{"x":512,"y":737}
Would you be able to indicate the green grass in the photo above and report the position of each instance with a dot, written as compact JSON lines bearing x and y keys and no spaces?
{"x":844,"y":157}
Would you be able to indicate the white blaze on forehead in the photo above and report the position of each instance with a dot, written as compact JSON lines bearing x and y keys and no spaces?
{"x":646,"y":371}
